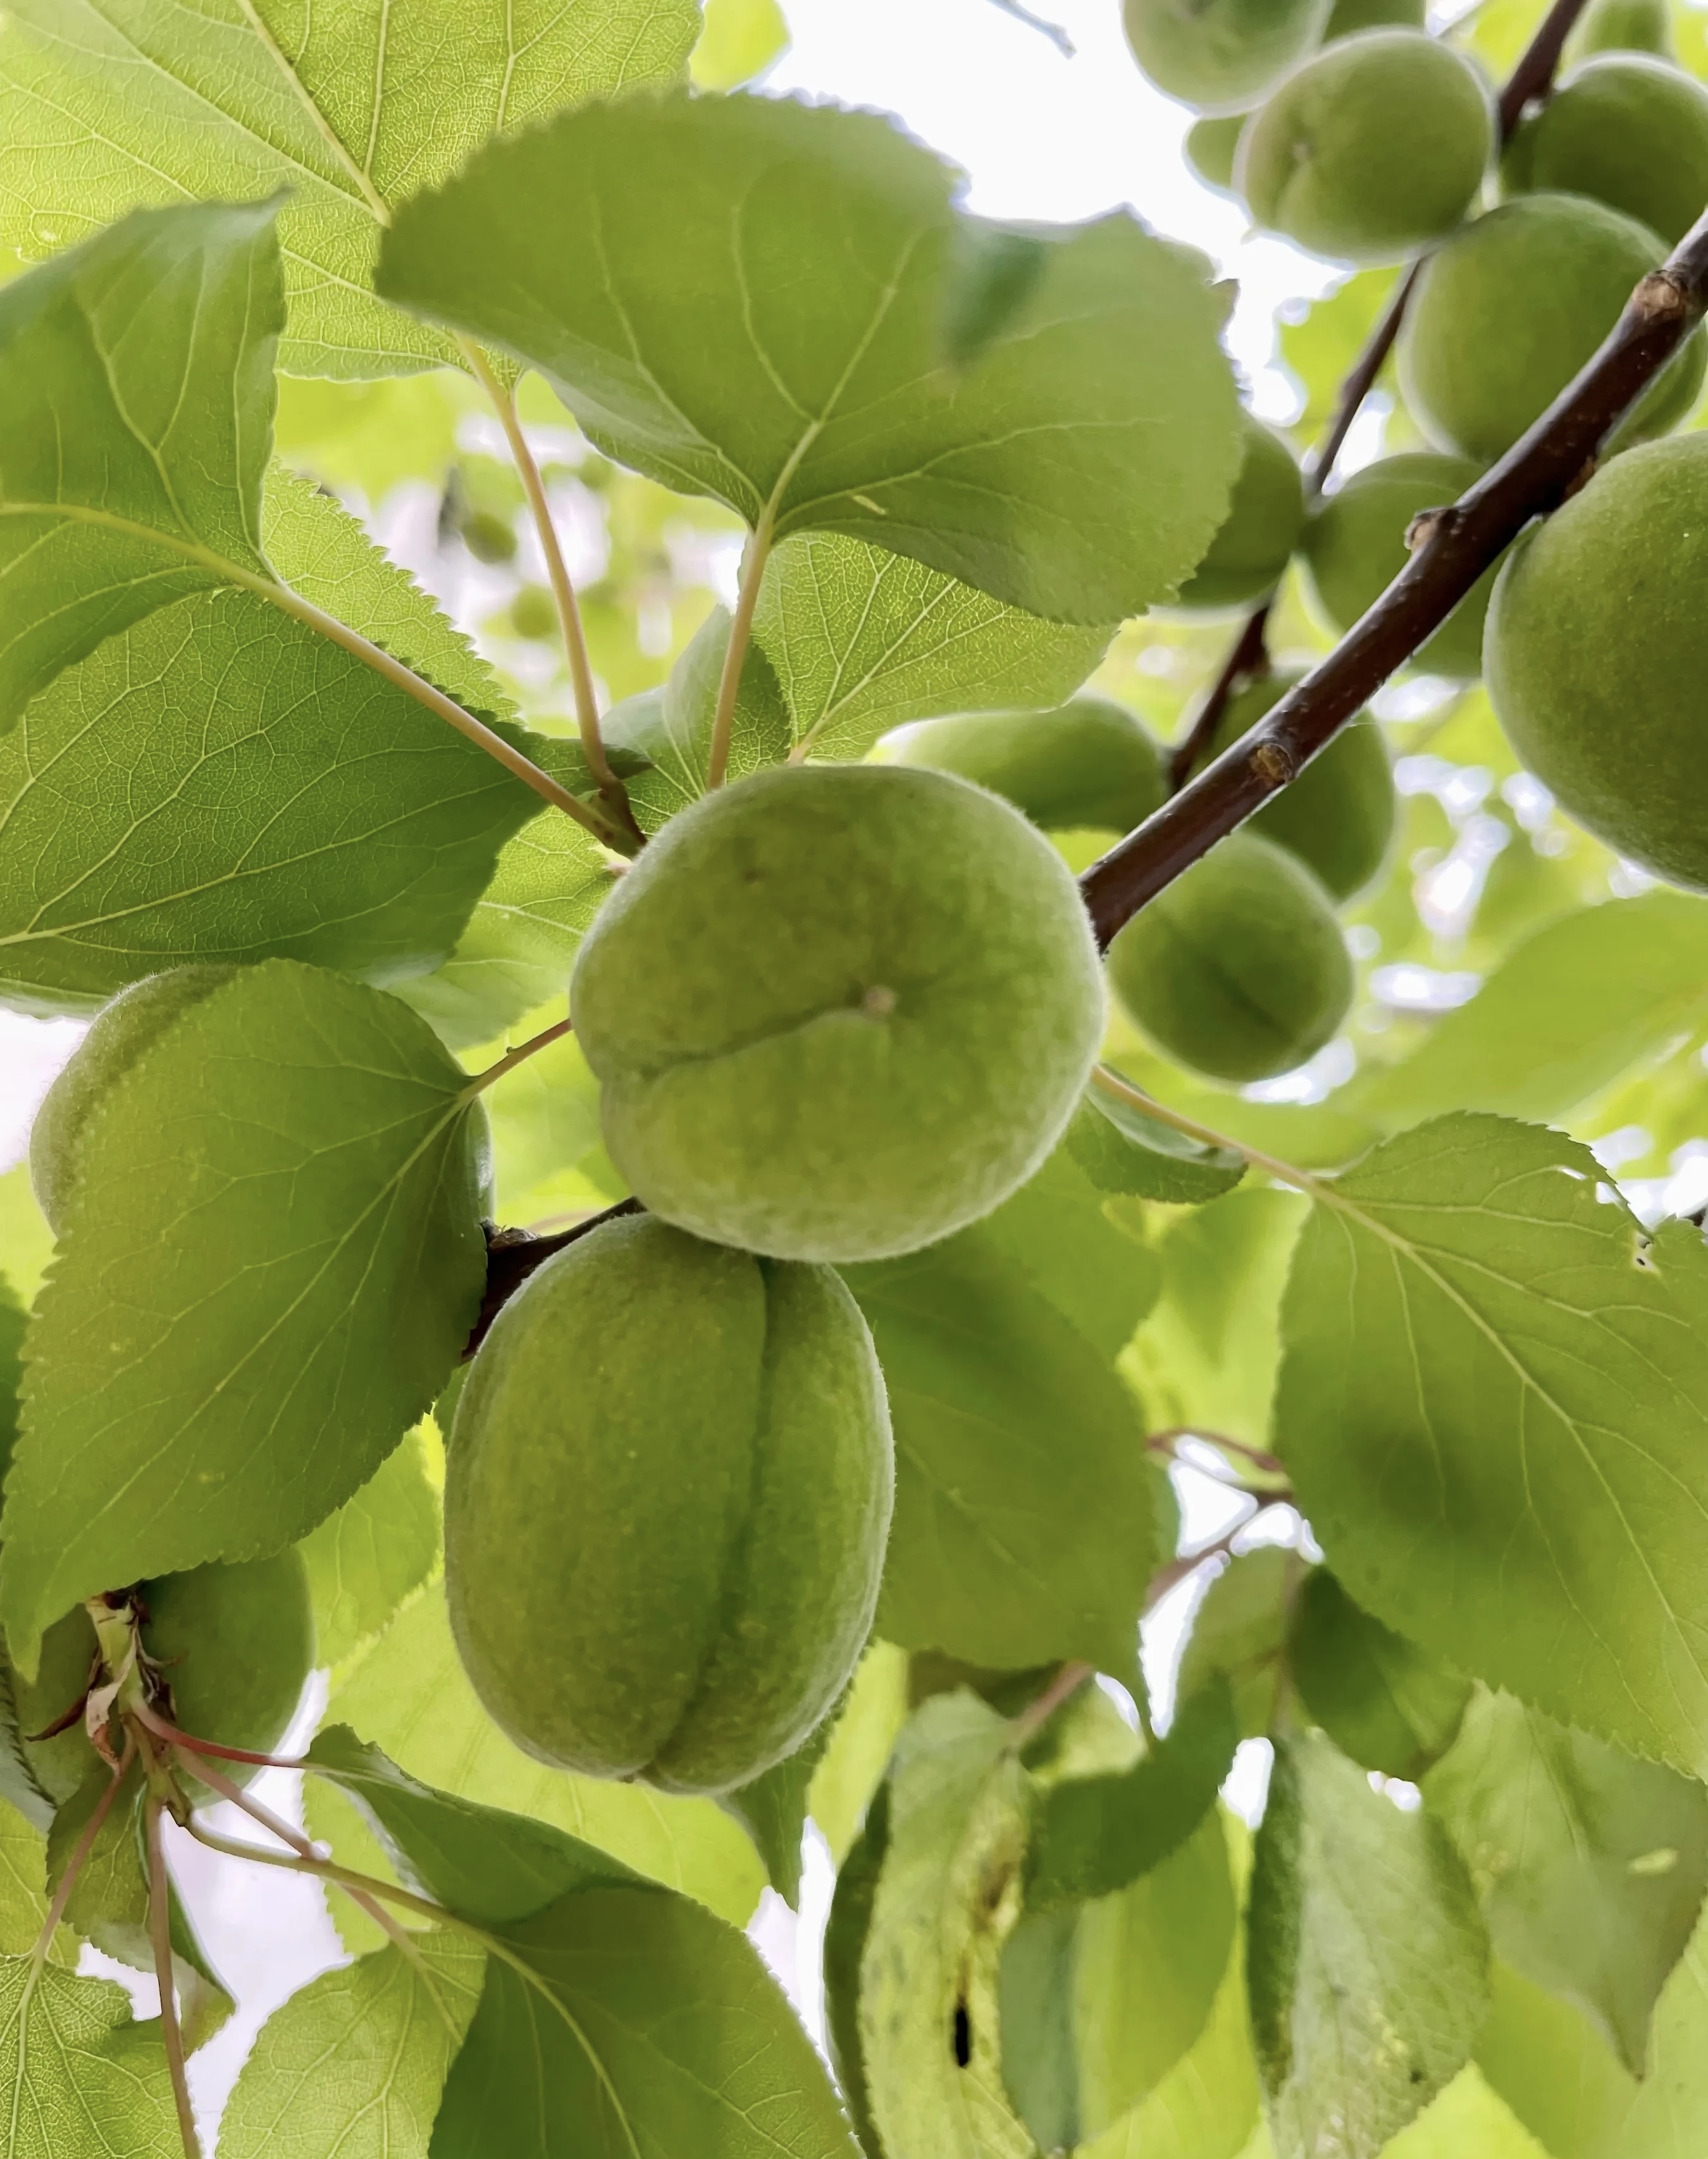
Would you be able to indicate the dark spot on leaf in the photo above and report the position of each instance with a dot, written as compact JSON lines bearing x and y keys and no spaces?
{"x":963,"y":2036}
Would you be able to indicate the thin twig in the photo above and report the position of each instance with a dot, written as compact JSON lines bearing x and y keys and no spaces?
{"x":160,"y":1934}
{"x":1066,"y":1684}
{"x":1165,"y":1443}
{"x":1222,"y":1547}
{"x":612,"y":791}
{"x":513,"y":1254}
{"x":735,"y":653}
{"x":1248,"y":658}
{"x":175,"y":1735}
{"x":79,"y":1856}
{"x":1349,"y":399}
{"x":1533,"y":75}
{"x":520,"y":1055}
{"x":1455,"y":546}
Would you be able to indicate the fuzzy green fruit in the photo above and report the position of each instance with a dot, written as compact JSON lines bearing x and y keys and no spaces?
{"x":1508,"y":310}
{"x":1238,"y":970}
{"x":1211,"y":146}
{"x":669,"y":1491}
{"x":1090,"y":762}
{"x":1257,"y":539}
{"x":1627,"y":129}
{"x":1597,"y":651}
{"x":1373,"y":149}
{"x":1355,"y":546}
{"x":1220,"y":55}
{"x":1624,"y":26}
{"x":1338,"y":815}
{"x":1349,"y":17}
{"x":838,"y":1012}
{"x":134,"y":1021}
{"x":235,"y":1645}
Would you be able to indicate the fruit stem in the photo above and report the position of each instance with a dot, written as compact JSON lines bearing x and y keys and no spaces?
{"x":520,"y":1055}
{"x":735,"y":653}
{"x":513,"y":1254}
{"x":79,"y":1856}
{"x":612,"y":791}
{"x":160,"y":1934}
{"x":187,"y":1740}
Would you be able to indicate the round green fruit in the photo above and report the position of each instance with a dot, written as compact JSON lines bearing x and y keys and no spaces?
{"x":1090,"y":762}
{"x":39,"y":1775}
{"x":1210,"y":149}
{"x":669,"y":1491}
{"x":1220,"y":55}
{"x":838,"y":1012}
{"x":1597,"y":651}
{"x":1338,"y":815}
{"x":134,"y":1021}
{"x":1355,"y":546}
{"x":1373,"y":149}
{"x":1237,"y":971}
{"x":1257,"y":537}
{"x":1508,"y":310}
{"x":1627,"y":129}
{"x":1624,"y":26}
{"x":1349,"y":17}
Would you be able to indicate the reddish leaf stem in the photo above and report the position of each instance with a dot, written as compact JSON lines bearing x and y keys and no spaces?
{"x":160,"y":1935}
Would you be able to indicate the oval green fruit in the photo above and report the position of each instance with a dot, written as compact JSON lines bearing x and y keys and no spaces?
{"x":1238,"y":970}
{"x":838,"y":1012}
{"x":1373,"y":148}
{"x":1628,"y":129}
{"x":134,"y":1021}
{"x":1211,"y":146}
{"x":1257,"y":537}
{"x":1338,"y":815}
{"x":669,"y":1491}
{"x":1354,"y":547}
{"x":1624,"y":26}
{"x":1508,"y":310}
{"x":1220,"y":56}
{"x":1090,"y":762}
{"x":1597,"y":651}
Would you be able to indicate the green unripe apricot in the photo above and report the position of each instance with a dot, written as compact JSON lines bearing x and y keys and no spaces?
{"x":1220,"y":55}
{"x":134,"y":1021}
{"x":1598,"y":653}
{"x":1238,"y":970}
{"x":1210,"y":148}
{"x":1257,"y":537}
{"x":838,"y":1012}
{"x":1627,"y":129}
{"x":1349,"y":17}
{"x":669,"y":1491}
{"x":1624,"y":26}
{"x":1090,"y":762}
{"x":1508,"y":310}
{"x":1373,"y":149}
{"x":1355,"y":546}
{"x":1338,"y":815}
{"x":234,"y":1645}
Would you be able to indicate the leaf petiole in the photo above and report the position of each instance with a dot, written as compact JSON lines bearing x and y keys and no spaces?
{"x":735,"y":653}
{"x":160,"y":1934}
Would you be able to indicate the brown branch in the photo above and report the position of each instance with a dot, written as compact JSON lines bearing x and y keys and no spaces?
{"x":1457,"y":544}
{"x":1248,"y":658}
{"x":513,"y":1254}
{"x":1533,"y":75}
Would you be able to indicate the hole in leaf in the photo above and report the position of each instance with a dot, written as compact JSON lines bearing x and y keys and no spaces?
{"x":963,"y":2036}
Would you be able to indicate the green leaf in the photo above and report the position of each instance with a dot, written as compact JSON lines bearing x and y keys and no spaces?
{"x":133,"y":438}
{"x":1055,"y":1232}
{"x":862,"y":639}
{"x":410,"y":1695}
{"x":355,"y":2062}
{"x":12,"y":1326}
{"x":26,"y":1242}
{"x":1580,"y":1002}
{"x":1378,"y":1697}
{"x":1022,"y":1518}
{"x":545,"y":1116}
{"x":1592,"y":1865}
{"x":1494,"y":1407}
{"x":1035,"y":2006}
{"x":1096,"y":1834}
{"x":1239,"y":1633}
{"x":1121,"y":1150}
{"x":741,"y":39}
{"x":24,"y":1889}
{"x":858,"y":1750}
{"x":272,"y":1260}
{"x":647,"y":258}
{"x":368,"y":1555}
{"x":1467,"y":2121}
{"x":846,"y":1931}
{"x":1368,"y":1960}
{"x":78,"y":2076}
{"x":671,"y":728}
{"x":773,"y":1809}
{"x":948,"y":1897}
{"x":1550,"y":2068}
{"x":107,"y":103}
{"x":620,"y":2021}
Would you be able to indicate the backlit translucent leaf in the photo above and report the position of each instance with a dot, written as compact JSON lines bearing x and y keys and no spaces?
{"x":23,"y":1893}
{"x":746,"y":297}
{"x":1054,"y":1230}
{"x":1383,"y":1700}
{"x":1240,"y":1632}
{"x":1022,"y":1520}
{"x":1591,"y":1865}
{"x":410,"y":1696}
{"x":12,"y":1323}
{"x":948,"y":1897}
{"x":355,"y":2062}
{"x":76,"y":2075}
{"x":1121,"y":1150}
{"x":272,"y":1260}
{"x":1495,"y":1406}
{"x":354,"y":106}
{"x":859,"y":1748}
{"x":671,"y":728}
{"x":1368,"y":1961}
{"x":371,"y":1552}
{"x":135,"y":399}
{"x":862,"y":639}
